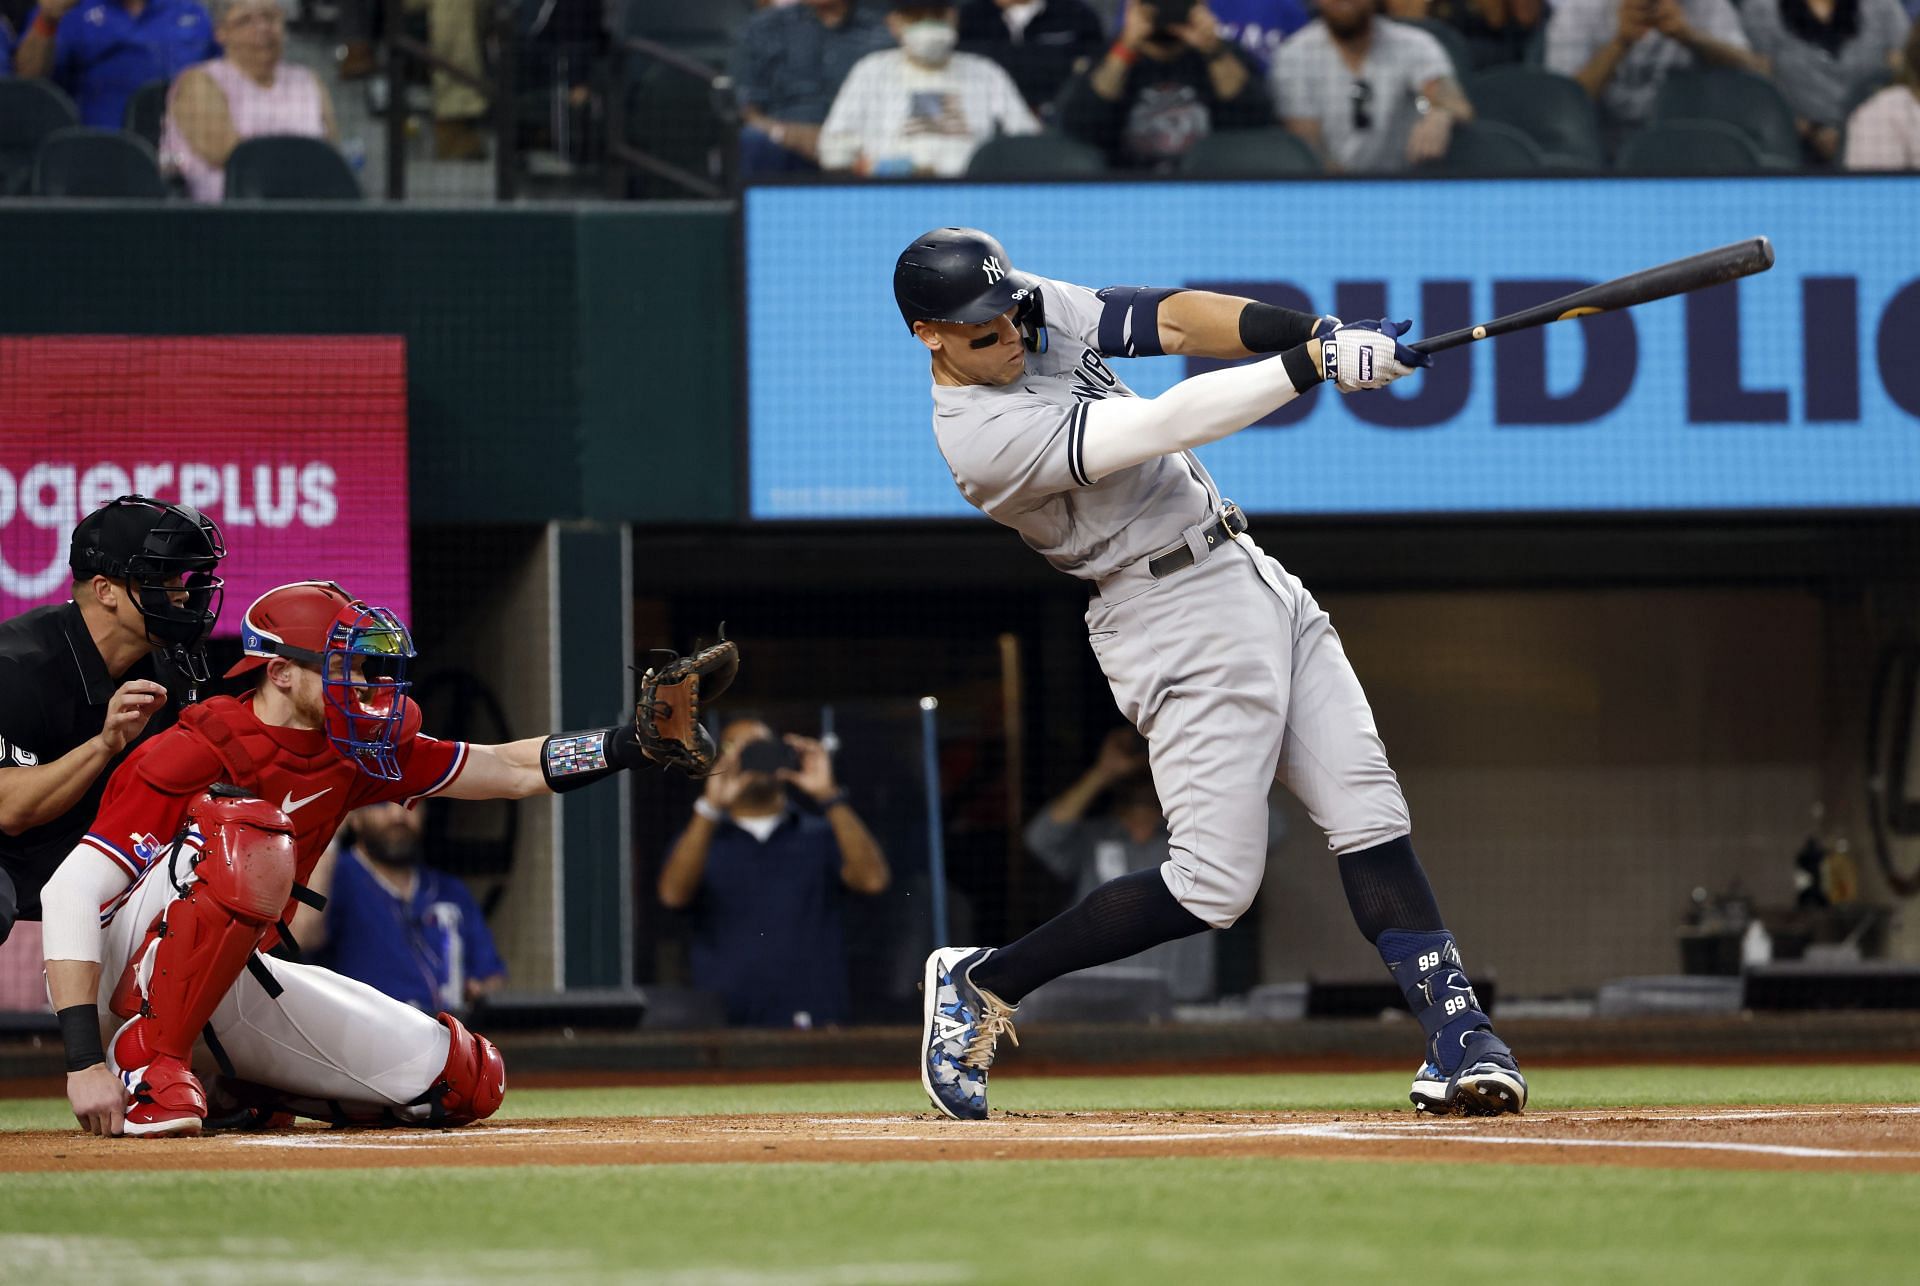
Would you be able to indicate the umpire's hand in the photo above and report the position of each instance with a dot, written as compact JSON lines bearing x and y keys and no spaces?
{"x":99,"y":1099}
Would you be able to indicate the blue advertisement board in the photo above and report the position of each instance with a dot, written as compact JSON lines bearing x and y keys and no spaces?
{"x":1797,"y":389}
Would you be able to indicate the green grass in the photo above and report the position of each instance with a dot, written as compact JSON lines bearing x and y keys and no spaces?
{"x":1318,"y":1091}
{"x":1051,"y":1222}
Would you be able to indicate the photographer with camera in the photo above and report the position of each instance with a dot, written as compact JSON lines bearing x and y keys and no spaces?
{"x":761,"y":880}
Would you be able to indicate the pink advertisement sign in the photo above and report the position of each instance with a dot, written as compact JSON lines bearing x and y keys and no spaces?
{"x":296,"y":446}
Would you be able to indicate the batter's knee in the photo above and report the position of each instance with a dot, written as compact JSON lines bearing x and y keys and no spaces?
{"x":1216,"y":893}
{"x":1377,"y":816}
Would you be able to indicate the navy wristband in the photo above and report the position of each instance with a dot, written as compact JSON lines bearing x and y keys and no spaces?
{"x":1268,"y":328}
{"x":1300,"y":368}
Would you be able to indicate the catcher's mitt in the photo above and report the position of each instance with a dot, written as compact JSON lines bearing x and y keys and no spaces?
{"x":667,"y":717}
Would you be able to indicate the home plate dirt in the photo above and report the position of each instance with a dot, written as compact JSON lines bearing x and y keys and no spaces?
{"x":1763,"y":1138}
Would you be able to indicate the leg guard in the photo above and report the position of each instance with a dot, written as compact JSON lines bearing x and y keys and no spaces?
{"x":1427,"y":967}
{"x":241,"y":878}
{"x":471,"y":1085}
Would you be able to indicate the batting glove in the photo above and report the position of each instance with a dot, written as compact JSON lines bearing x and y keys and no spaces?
{"x":1368,"y":354}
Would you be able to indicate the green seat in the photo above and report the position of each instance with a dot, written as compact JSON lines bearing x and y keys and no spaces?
{"x":1751,"y":104}
{"x":1450,"y":39}
{"x":1489,"y":147}
{"x":1690,"y":147}
{"x":84,"y":163}
{"x":1035,"y":156}
{"x":146,"y":112}
{"x":1549,"y":108}
{"x":30,"y":110}
{"x":1271,"y":153}
{"x":289,"y":167}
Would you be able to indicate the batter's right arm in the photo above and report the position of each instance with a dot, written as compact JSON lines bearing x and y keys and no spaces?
{"x":1120,"y":432}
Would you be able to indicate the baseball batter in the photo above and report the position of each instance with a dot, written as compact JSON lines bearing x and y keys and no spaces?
{"x":1215,"y":652}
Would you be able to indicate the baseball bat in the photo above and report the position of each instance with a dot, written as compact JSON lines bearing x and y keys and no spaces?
{"x":1708,"y":268}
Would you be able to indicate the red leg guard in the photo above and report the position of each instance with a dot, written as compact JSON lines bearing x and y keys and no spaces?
{"x":471,"y":1085}
{"x":203,"y":939}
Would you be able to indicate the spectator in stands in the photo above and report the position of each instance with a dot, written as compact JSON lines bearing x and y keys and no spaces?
{"x":6,"y":46}
{"x":1163,"y":87}
{"x":1040,"y":43}
{"x":1496,"y":31}
{"x":249,"y":92}
{"x":403,"y":928}
{"x":453,"y":36}
{"x":1087,"y":851}
{"x":790,"y":63}
{"x":100,"y":51}
{"x":1884,"y":134}
{"x":1621,"y":50}
{"x":923,"y":108}
{"x":1367,"y":96}
{"x":762,"y":880}
{"x":1819,"y":50}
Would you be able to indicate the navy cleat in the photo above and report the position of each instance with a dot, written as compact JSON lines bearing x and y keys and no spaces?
{"x":1488,"y":1081}
{"x":962,"y":1026}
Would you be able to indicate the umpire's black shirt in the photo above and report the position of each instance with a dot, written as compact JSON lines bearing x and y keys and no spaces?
{"x":54,"y":690}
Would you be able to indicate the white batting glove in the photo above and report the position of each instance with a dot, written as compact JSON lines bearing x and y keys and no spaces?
{"x":1369,"y":354}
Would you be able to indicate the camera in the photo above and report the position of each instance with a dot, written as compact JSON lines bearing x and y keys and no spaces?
{"x":767,"y":756}
{"x":1169,"y":15}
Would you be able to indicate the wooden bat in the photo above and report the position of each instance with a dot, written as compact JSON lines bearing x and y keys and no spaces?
{"x":1708,"y":268}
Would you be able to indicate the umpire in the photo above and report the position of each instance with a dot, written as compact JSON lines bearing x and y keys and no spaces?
{"x":83,"y":682}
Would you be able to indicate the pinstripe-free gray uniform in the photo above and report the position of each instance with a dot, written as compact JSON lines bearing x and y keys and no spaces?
{"x":1229,"y":668}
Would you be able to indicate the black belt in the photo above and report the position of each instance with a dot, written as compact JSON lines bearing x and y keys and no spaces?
{"x":1178,"y":557}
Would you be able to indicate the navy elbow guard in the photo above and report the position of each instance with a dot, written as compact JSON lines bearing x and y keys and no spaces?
{"x":570,"y":760}
{"x":1268,"y":328}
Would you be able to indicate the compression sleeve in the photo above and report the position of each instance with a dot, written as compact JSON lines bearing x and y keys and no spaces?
{"x":71,"y":902}
{"x":1124,"y":431}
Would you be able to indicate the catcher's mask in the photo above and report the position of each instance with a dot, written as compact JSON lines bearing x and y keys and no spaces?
{"x":363,"y":672}
{"x":166,"y":555}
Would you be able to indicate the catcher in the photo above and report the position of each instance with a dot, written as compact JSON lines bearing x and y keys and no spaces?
{"x":194,"y":863}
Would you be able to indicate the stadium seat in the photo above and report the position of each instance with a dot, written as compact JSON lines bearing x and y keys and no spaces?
{"x":704,"y":29}
{"x":1751,"y":104}
{"x":1271,"y":153}
{"x":1550,"y":109}
{"x":1489,"y":147}
{"x":1690,"y":147}
{"x":1450,"y":39}
{"x":30,"y":110}
{"x":84,"y":162}
{"x":146,"y":111}
{"x":1035,"y":156}
{"x":673,"y":117}
{"x":288,"y":167}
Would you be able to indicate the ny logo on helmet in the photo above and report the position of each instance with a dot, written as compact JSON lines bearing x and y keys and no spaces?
{"x":991,"y":266}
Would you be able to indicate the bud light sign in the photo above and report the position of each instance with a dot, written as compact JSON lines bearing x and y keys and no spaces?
{"x":1794,"y":390}
{"x":296,"y":447}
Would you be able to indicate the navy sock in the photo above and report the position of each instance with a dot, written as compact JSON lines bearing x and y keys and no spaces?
{"x":1121,"y":918}
{"x":1394,"y":906}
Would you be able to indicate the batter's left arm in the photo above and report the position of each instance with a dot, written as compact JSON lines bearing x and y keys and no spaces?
{"x":1200,"y":323}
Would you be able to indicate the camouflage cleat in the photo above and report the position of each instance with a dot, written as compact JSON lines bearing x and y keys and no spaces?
{"x":963,"y":1024}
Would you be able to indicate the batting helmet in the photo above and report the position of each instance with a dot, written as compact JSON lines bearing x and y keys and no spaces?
{"x":957,"y":275}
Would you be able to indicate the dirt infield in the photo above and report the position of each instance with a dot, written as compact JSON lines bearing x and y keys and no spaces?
{"x":1759,"y":1138}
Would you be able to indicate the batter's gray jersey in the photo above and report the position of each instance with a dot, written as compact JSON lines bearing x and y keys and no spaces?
{"x":1015,"y":450}
{"x":1228,"y":667}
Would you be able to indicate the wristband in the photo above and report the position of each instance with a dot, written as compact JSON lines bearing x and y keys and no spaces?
{"x":709,"y":810}
{"x":80,"y":1032}
{"x":1124,"y":54}
{"x":570,"y":760}
{"x":1300,"y":368}
{"x":47,"y":27}
{"x":837,"y":797}
{"x":1266,"y":328}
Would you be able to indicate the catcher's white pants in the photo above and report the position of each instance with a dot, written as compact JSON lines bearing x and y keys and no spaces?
{"x":1234,"y":675}
{"x":324,"y":1037}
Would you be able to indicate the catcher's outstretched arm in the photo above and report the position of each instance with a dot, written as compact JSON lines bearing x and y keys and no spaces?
{"x":510,"y":770}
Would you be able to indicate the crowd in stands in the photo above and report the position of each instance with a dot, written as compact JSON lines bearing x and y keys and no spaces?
{"x":944,"y":88}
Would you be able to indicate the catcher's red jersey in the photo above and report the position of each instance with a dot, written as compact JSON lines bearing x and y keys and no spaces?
{"x":297,"y":770}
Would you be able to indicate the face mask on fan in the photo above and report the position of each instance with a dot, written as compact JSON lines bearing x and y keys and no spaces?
{"x":930,"y":42}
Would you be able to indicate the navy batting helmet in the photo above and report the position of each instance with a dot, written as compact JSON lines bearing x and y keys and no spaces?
{"x":963,"y":275}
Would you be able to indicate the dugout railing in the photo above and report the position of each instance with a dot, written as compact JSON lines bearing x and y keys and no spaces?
{"x":405,"y":52}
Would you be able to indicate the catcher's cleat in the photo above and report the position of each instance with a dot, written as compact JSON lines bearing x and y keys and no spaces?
{"x":962,"y":1026}
{"x":166,"y":1099}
